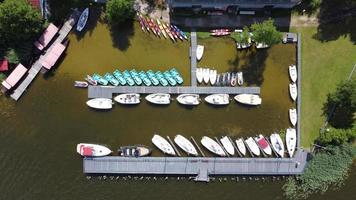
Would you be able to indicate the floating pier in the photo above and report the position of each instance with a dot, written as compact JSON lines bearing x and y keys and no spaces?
{"x":196,"y":145}
{"x":193,"y":58}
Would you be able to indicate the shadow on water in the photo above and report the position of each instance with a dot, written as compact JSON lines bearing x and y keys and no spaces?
{"x":121,"y":35}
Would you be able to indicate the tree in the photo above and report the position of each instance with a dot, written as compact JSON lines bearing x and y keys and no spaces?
{"x":118,"y":11}
{"x":266,"y":32}
{"x":337,"y":136}
{"x":242,"y":38}
{"x":19,"y":22}
{"x":341,"y":105}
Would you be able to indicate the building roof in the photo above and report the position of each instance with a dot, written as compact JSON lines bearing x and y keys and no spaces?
{"x":46,"y":37}
{"x":4,"y":65}
{"x":15,"y":76}
{"x":53,"y":56}
{"x":35,"y":3}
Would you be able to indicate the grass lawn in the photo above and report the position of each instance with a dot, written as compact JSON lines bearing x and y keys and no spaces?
{"x":324,"y":65}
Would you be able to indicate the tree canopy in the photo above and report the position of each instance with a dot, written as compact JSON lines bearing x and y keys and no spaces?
{"x":266,"y":32}
{"x":242,"y":38}
{"x":118,"y":11}
{"x":337,"y":136}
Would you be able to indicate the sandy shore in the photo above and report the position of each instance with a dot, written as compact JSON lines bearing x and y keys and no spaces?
{"x":151,"y":11}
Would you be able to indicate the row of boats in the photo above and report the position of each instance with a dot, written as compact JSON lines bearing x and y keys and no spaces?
{"x":165,"y":99}
{"x":206,"y":75}
{"x":293,"y":92}
{"x":149,"y":78}
{"x":160,"y":29}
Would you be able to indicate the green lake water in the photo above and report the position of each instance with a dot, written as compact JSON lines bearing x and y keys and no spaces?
{"x":39,"y":133}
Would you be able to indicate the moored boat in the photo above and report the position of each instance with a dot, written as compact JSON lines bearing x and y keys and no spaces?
{"x":161,"y":28}
{"x":251,"y":144}
{"x":233,"y":81}
{"x":261,"y":45}
{"x":293,"y":91}
{"x":80,"y":84}
{"x":248,"y":99}
{"x":212,"y":146}
{"x":293,"y":116}
{"x":189,"y":99}
{"x":228,"y":146}
{"x":293,"y":73}
{"x":100,"y":103}
{"x":83,"y":20}
{"x":291,"y":141}
{"x":263,"y":144}
{"x":206,"y":75}
{"x":222,"y":33}
{"x":128,"y":78}
{"x":277,"y":144}
{"x":200,"y":52}
{"x":112,"y":80}
{"x":91,"y":81}
{"x":143,"y":76}
{"x":174,"y":72}
{"x":161,"y":78}
{"x":218,"y":99}
{"x":241,"y":146}
{"x":169,"y":78}
{"x":185,"y":144}
{"x":240,"y":79}
{"x":128,"y":98}
{"x":159,"y":98}
{"x":92,"y":150}
{"x":163,"y":145}
{"x":118,"y":75}
{"x":199,"y":74}
{"x":100,"y":79}
{"x":134,"y":151}
{"x":151,"y":75}
{"x":212,"y":76}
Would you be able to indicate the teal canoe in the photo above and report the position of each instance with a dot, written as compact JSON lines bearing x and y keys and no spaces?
{"x":128,"y":78}
{"x":112,"y":80}
{"x":144,"y":78}
{"x":170,"y":78}
{"x":118,"y":75}
{"x":151,"y":75}
{"x":100,"y":79}
{"x":176,"y":75}
{"x":161,"y":78}
{"x":135,"y":77}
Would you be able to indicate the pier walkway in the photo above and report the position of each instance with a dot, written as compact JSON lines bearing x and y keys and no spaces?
{"x":201,"y":167}
{"x":108,"y":91}
{"x":193,"y":58}
{"x":36,"y":67}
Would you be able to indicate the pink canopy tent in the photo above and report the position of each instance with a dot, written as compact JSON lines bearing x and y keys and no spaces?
{"x":53,"y":56}
{"x":46,"y":37}
{"x":14,"y":77}
{"x":4,"y":65}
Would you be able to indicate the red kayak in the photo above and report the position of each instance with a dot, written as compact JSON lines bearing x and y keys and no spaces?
{"x":220,"y":33}
{"x":219,"y":30}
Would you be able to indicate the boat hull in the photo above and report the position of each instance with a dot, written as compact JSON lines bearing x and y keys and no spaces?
{"x":163,"y":145}
{"x":212,"y":146}
{"x":185,"y":145}
{"x":248,"y":99}
{"x":159,"y":98}
{"x":291,"y":141}
{"x":92,"y":150}
{"x":189,"y":99}
{"x":129,"y":99}
{"x":218,"y":99}
{"x":83,"y":20}
{"x":100,"y":103}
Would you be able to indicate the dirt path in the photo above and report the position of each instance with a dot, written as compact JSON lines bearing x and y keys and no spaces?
{"x":304,"y":21}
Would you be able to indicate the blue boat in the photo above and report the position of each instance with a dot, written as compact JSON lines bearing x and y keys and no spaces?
{"x":144,"y":78}
{"x":100,"y":79}
{"x":180,"y":32}
{"x":176,"y":75}
{"x":135,"y":77}
{"x":118,"y":75}
{"x":128,"y":78}
{"x":170,"y":78}
{"x":152,"y":77}
{"x":161,"y":78}
{"x":112,"y":80}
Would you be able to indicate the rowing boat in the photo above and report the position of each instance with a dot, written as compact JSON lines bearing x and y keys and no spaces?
{"x":159,"y":98}
{"x":293,"y":116}
{"x":212,"y":146}
{"x":185,"y":144}
{"x":228,"y":146}
{"x":218,"y":99}
{"x":293,"y":91}
{"x":291,"y":141}
{"x":277,"y":144}
{"x":248,"y":99}
{"x":129,"y":98}
{"x":163,"y":145}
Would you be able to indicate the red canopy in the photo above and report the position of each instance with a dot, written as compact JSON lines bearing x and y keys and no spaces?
{"x":87,"y":151}
{"x":4,"y":65}
{"x":263,"y":143}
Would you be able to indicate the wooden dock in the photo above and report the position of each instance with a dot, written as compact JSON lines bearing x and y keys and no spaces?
{"x":108,"y":91}
{"x":193,"y":58}
{"x":201,"y":167}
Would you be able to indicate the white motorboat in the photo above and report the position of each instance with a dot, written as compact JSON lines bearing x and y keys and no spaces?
{"x":218,"y":99}
{"x":199,"y":74}
{"x":233,"y":80}
{"x":91,"y":81}
{"x":81,"y":84}
{"x":291,"y":141}
{"x":200,"y":52}
{"x":261,"y":45}
{"x":213,"y":76}
{"x":92,"y":150}
{"x":293,"y":91}
{"x":249,"y":99}
{"x":159,"y":98}
{"x":185,"y":144}
{"x":206,"y":75}
{"x":83,"y":20}
{"x":263,"y":144}
{"x":293,"y":116}
{"x":251,"y":144}
{"x":242,"y":45}
{"x":188,"y":99}
{"x":163,"y":145}
{"x":240,"y":79}
{"x":100,"y":103}
{"x":277,"y":144}
{"x":128,"y":98}
{"x":241,"y":146}
{"x":293,"y":73}
{"x":228,"y":146}
{"x":212,"y":146}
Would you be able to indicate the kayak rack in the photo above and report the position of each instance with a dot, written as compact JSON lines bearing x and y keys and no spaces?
{"x":196,"y":145}
{"x":223,"y":148}
{"x":235,"y":147}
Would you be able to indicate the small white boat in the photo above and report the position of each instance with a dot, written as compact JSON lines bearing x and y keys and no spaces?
{"x":199,"y":74}
{"x":233,"y":80}
{"x":293,"y":116}
{"x":206,"y":75}
{"x":241,"y":146}
{"x":212,"y":146}
{"x":91,"y":81}
{"x":83,"y":20}
{"x":129,"y":98}
{"x":92,"y":150}
{"x":188,"y":99}
{"x":251,"y":144}
{"x":293,"y":73}
{"x":249,"y":99}
{"x":163,"y":145}
{"x":218,"y":99}
{"x":261,"y":45}
{"x":291,"y":141}
{"x":159,"y":98}
{"x":240,"y":79}
{"x":185,"y":144}
{"x":200,"y":52}
{"x":277,"y":144}
{"x":263,"y":144}
{"x":100,"y":103}
{"x":212,"y":76}
{"x":228,"y":146}
{"x":81,"y":84}
{"x":293,"y":91}
{"x":242,"y":45}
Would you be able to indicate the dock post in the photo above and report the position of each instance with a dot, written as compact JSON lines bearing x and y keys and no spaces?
{"x":233,"y":144}
{"x":201,"y":152}
{"x":174,"y":147}
{"x":217,"y":140}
